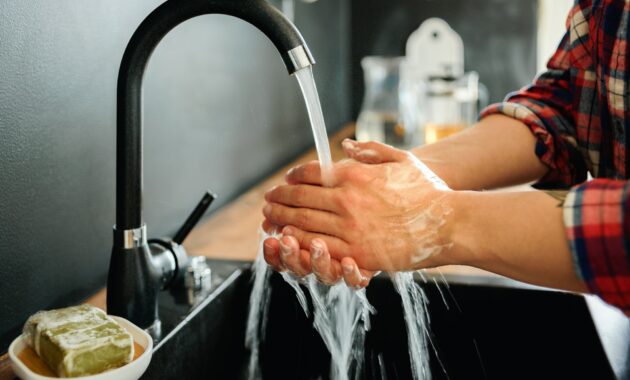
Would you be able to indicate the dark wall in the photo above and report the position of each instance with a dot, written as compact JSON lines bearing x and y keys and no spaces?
{"x":499,"y":37}
{"x":220,"y":113}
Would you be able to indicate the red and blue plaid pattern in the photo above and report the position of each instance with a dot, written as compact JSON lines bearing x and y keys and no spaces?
{"x":579,"y":112}
{"x":594,"y":217}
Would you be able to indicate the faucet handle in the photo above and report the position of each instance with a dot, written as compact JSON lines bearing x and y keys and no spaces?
{"x":194,"y":217}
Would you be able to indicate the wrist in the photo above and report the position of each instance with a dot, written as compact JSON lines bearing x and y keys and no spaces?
{"x":465,"y":242}
{"x":445,"y":170}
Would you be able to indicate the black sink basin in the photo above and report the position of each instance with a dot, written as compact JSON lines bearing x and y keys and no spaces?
{"x":486,"y":332}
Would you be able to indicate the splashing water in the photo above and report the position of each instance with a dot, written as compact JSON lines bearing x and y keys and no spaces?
{"x":416,"y":320}
{"x":341,"y":315}
{"x":258,"y":308}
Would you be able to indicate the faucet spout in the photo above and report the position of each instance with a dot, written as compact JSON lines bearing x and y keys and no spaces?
{"x":134,"y":277}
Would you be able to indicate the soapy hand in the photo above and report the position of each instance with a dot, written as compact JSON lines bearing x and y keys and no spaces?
{"x":386,"y":211}
{"x":285,"y":253}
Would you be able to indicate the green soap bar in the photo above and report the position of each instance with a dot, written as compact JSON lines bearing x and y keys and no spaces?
{"x":78,"y":341}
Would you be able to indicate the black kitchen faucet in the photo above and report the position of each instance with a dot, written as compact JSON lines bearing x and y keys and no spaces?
{"x":140,"y":268}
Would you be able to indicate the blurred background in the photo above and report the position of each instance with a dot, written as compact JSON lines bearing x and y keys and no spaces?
{"x":220,"y":113}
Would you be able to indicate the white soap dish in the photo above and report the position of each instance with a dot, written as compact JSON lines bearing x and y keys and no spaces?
{"x":130,"y":371}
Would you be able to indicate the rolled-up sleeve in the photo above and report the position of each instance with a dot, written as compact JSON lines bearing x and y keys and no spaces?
{"x":546,"y":107}
{"x":597,"y":222}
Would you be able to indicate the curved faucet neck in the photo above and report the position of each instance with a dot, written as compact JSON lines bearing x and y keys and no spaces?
{"x":163,"y":19}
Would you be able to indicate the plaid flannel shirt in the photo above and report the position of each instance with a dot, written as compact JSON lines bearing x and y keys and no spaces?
{"x":579,"y":112}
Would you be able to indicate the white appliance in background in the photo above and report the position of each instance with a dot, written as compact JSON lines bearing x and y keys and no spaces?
{"x":438,"y":98}
{"x":434,"y":49}
{"x":423,"y":96}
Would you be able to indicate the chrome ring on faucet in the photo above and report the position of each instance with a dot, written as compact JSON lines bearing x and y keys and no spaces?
{"x":133,"y":238}
{"x":300,"y":57}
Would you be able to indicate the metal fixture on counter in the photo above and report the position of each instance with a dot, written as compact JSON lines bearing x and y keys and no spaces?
{"x":197,"y":279}
{"x":140,"y":268}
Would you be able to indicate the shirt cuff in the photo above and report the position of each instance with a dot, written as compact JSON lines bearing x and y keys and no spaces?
{"x":596,"y":226}
{"x":556,"y":151}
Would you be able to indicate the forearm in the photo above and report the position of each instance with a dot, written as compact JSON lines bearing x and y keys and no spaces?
{"x":518,"y":235}
{"x":498,"y":151}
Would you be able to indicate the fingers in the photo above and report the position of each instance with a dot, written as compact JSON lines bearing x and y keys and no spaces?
{"x":334,"y":245}
{"x":306,"y":219}
{"x":372,"y":152}
{"x":285,"y":254}
{"x":326,"y":270}
{"x":293,"y":258}
{"x":270,"y":228}
{"x":353,"y":276}
{"x":309,"y":174}
{"x":271,"y":251}
{"x":305,"y":196}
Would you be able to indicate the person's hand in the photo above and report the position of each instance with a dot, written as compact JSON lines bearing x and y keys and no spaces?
{"x":389,"y":215}
{"x":285,"y":253}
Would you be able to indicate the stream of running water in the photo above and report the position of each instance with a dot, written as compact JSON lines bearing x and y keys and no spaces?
{"x":341,"y":314}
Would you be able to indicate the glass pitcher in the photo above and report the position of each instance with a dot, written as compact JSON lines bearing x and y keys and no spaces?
{"x":380,"y":118}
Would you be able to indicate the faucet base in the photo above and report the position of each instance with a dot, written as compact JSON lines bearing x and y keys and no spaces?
{"x":133,"y":284}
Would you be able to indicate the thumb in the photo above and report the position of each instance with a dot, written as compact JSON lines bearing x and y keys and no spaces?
{"x":372,"y":152}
